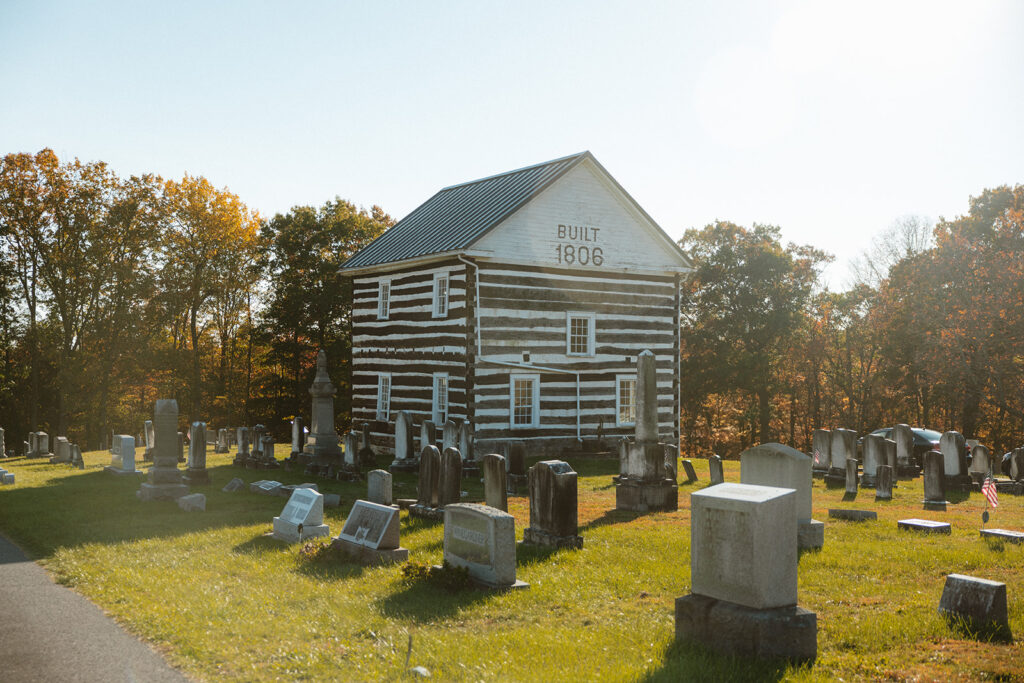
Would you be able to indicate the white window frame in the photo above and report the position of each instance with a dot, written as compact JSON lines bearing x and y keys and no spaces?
{"x":439,"y":311}
{"x":383,"y":396}
{"x":618,"y":400}
{"x":383,"y":299}
{"x":591,"y":324}
{"x":535,"y":401}
{"x":436,"y":413}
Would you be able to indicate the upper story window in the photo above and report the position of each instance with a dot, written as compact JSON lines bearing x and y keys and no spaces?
{"x":524,"y":408}
{"x":383,"y":396}
{"x":625,"y":400}
{"x":579,"y":332}
{"x":441,"y":295}
{"x":440,"y":401}
{"x":384,"y":300}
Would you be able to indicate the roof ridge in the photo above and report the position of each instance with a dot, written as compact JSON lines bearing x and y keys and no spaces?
{"x":585,"y":152}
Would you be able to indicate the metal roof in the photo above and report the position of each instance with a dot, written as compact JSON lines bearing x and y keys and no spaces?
{"x":458,"y":215}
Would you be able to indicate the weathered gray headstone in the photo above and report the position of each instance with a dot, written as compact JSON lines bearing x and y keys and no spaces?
{"x":890,"y":456}
{"x":1004,"y":535}
{"x":449,"y":436}
{"x":883,"y":486}
{"x":235,"y":484}
{"x":150,"y":433}
{"x":483,"y":540}
{"x":371,"y":534}
{"x":405,"y":446}
{"x":672,"y":463}
{"x":851,"y":476}
{"x":904,"y":438}
{"x":351,"y":456}
{"x":934,"y":479}
{"x":378,"y":487}
{"x":553,"y":503}
{"x":268,"y":461}
{"x":954,"y":460}
{"x":298,"y":437}
{"x":715,"y":470}
{"x":302,"y":517}
{"x":76,"y":457}
{"x":449,"y":486}
{"x":193,"y":501}
{"x":778,"y":465}
{"x":242,"y":455}
{"x":874,"y":455}
{"x":164,"y":477}
{"x":61,"y":450}
{"x":852,"y":515}
{"x":821,"y":458}
{"x":430,"y":474}
{"x":515,"y":463}
{"x":495,"y":492}
{"x":980,"y":603}
{"x":981,"y":463}
{"x":465,"y":441}
{"x":428,"y":434}
{"x":196,"y":472}
{"x":691,"y":474}
{"x":222,"y":441}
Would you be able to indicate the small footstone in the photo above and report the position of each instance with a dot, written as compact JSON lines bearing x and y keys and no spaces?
{"x":926,"y":525}
{"x":691,"y":474}
{"x":332,"y":500}
{"x":1004,"y":534}
{"x":235,"y":484}
{"x":852,"y":515}
{"x":979,"y":602}
{"x":192,"y":502}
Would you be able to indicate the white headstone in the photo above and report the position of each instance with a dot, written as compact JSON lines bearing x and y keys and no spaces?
{"x":775,"y":464}
{"x":483,"y":540}
{"x":372,"y":525}
{"x":450,"y":436}
{"x":378,"y":487}
{"x":302,"y":517}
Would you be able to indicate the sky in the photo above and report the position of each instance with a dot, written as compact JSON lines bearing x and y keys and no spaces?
{"x":831,"y":120}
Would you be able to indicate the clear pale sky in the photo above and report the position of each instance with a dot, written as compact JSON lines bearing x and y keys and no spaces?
{"x":830,"y":120}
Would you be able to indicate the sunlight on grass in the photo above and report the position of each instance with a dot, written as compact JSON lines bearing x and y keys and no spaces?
{"x":224,"y":601}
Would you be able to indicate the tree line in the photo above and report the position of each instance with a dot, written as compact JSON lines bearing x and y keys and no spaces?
{"x":117,"y":291}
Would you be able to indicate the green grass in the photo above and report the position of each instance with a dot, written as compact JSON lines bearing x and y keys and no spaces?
{"x":223,"y":601}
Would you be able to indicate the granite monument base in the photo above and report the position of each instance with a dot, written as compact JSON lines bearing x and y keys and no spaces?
{"x":731,"y":629}
{"x":294,"y":533}
{"x":149,"y":492}
{"x":194,"y":477}
{"x":370,"y":556}
{"x":120,"y":472}
{"x":540,"y":537}
{"x":646,"y":496}
{"x":426,"y":512}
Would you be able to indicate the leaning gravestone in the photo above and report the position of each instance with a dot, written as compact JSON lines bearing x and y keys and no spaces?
{"x":743,"y":567}
{"x":235,"y":484}
{"x":715,"y":470}
{"x":691,"y":474}
{"x":553,"y":503}
{"x":672,"y":463}
{"x":851,"y":476}
{"x":378,"y":487}
{"x":483,"y":540}
{"x":821,"y":458}
{"x":371,"y":534}
{"x":978,"y":602}
{"x":192,"y":502}
{"x":934,"y":479}
{"x":495,"y":492}
{"x":775,"y":464}
{"x":405,"y":446}
{"x":164,"y":477}
{"x":981,"y":463}
{"x":426,"y":504}
{"x":122,"y":460}
{"x":302,"y":517}
{"x":954,"y":461}
{"x":196,"y":473}
{"x":883,"y":487}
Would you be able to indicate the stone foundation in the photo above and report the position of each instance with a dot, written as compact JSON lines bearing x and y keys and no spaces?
{"x":149,"y":492}
{"x":543,"y":538}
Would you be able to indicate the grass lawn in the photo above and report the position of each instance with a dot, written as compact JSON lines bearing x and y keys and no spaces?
{"x":223,"y":601}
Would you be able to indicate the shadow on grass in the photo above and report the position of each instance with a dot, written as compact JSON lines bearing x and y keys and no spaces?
{"x":613,"y":517}
{"x":536,"y":554}
{"x":264,"y":543}
{"x":690,"y":662}
{"x":957,"y":496}
{"x":418,"y":523}
{"x":424,"y":602}
{"x":848,"y":496}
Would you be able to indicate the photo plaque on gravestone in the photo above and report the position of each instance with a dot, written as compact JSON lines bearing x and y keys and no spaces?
{"x":371,"y":534}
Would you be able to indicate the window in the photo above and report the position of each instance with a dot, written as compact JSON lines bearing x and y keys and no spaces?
{"x":383,"y":396}
{"x":441,"y":295}
{"x":579,"y":333}
{"x":625,"y":400}
{"x":524,"y":410}
{"x":384,"y":300}
{"x":440,"y":401}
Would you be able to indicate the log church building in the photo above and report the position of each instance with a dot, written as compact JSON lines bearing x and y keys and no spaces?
{"x":518,"y":303}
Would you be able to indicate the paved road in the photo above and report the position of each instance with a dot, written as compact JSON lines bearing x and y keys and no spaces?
{"x":51,"y":633}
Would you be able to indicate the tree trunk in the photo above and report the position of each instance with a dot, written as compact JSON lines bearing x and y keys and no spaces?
{"x":196,"y":375}
{"x":764,"y":413}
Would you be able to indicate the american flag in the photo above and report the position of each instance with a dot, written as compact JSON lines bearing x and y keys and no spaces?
{"x":817,"y":457}
{"x":988,"y":488}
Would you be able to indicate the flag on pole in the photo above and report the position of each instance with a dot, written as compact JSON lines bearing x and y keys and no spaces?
{"x":988,"y":488}
{"x":817,"y":457}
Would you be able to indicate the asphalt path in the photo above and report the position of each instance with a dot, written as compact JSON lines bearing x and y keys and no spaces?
{"x":50,"y":633}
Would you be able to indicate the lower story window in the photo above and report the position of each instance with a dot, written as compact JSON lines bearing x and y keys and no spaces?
{"x":383,"y":396}
{"x":440,"y":402}
{"x":524,"y":409}
{"x":625,"y":400}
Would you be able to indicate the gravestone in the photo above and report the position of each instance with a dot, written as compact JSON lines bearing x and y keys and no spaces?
{"x":672,"y":463}
{"x":427,"y":489}
{"x":449,"y":485}
{"x":235,"y":484}
{"x":61,"y":450}
{"x":852,"y":515}
{"x":267,"y":460}
{"x":6,"y":478}
{"x":428,"y":434}
{"x":743,"y":567}
{"x":978,"y":603}
{"x":266,"y":487}
{"x":890,"y":455}
{"x":1016,"y":468}
{"x":193,"y":501}
{"x":874,"y":455}
{"x":953,"y":447}
{"x":449,"y":435}
{"x":196,"y":473}
{"x":298,"y":438}
{"x":378,"y":487}
{"x":256,"y":443}
{"x":821,"y":457}
{"x":122,"y":458}
{"x":242,"y":454}
{"x":927,"y":526}
{"x":1004,"y":535}
{"x":851,"y":476}
{"x":643,"y":484}
{"x":371,"y":534}
{"x":495,"y":492}
{"x":844,"y":447}
{"x":981,"y":463}
{"x":883,"y":487}
{"x":470,"y":466}
{"x":405,"y":446}
{"x":691,"y":474}
{"x":322,"y":443}
{"x":515,"y":461}
{"x":222,"y":441}
{"x":483,"y":540}
{"x":553,"y":503}
{"x":164,"y":477}
{"x":43,"y":445}
{"x":181,"y":447}
{"x":76,"y":457}
{"x":904,"y":438}
{"x":715,"y":472}
{"x":302,"y":517}
{"x":778,"y":465}
{"x":150,"y":434}
{"x":934,"y":479}
{"x":366,"y":457}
